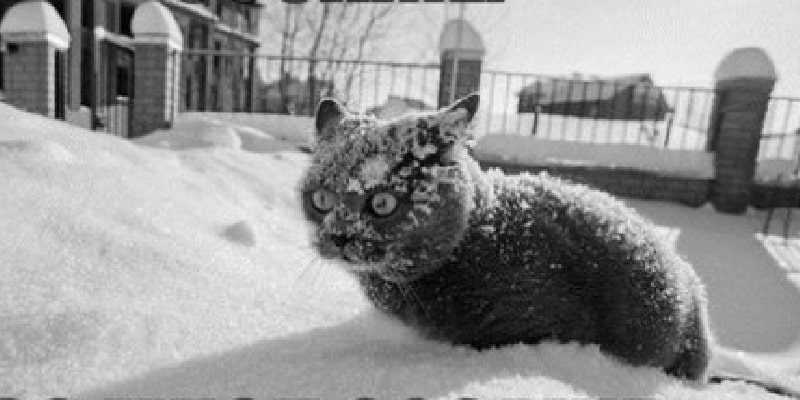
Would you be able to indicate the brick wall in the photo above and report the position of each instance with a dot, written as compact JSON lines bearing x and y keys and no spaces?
{"x":468,"y":81}
{"x":29,"y":77}
{"x":622,"y":181}
{"x":737,"y":134}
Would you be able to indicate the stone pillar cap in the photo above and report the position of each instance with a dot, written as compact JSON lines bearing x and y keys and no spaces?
{"x":34,"y":21}
{"x":154,"y":23}
{"x":459,"y":35}
{"x":746,"y":63}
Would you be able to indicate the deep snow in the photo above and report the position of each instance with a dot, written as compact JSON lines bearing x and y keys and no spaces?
{"x":178,"y":266}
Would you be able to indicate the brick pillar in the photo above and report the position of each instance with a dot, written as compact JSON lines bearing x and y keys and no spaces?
{"x":461,"y":49}
{"x":744,"y":81}
{"x":33,"y":33}
{"x":156,"y":75}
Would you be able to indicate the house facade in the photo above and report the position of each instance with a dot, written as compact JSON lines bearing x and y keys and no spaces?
{"x":217,"y":82}
{"x":632,"y":97}
{"x":93,"y":75}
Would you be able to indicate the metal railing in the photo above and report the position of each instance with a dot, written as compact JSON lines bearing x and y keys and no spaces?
{"x":294,"y":85}
{"x":362,"y":85}
{"x":599,"y":111}
{"x":779,"y":137}
{"x":623,"y":110}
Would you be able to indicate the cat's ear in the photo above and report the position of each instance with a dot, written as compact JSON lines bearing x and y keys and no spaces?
{"x":469,"y":103}
{"x":329,"y":113}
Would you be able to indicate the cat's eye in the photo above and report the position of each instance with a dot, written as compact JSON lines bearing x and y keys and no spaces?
{"x":323,"y":200}
{"x":383,"y":204}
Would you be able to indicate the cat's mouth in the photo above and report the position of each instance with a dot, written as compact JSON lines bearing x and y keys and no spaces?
{"x":364,"y":252}
{"x":352,"y":251}
{"x":372,"y":257}
{"x":381,"y":261}
{"x":368,"y":257}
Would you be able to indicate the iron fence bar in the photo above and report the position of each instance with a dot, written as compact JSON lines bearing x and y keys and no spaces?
{"x":773,"y":132}
{"x":267,"y":70}
{"x":408,"y":82}
{"x":424,"y":84}
{"x":767,"y":127}
{"x":566,"y":111}
{"x":628,"y":114}
{"x":491,"y":103}
{"x":313,"y":59}
{"x":785,"y":98}
{"x":173,"y":85}
{"x":596,"y":111}
{"x":583,"y":111}
{"x":613,"y":112}
{"x":536,"y":107}
{"x":643,"y":111}
{"x":391,"y":81}
{"x":505,"y":105}
{"x":519,"y":103}
{"x":672,"y":115}
{"x":689,"y":116}
{"x":703,"y":122}
{"x":785,"y":128}
{"x":329,"y":90}
{"x":377,"y":71}
{"x":361,"y":85}
{"x":553,"y":87}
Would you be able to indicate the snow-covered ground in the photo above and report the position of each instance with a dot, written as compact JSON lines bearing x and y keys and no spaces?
{"x":178,"y":266}
{"x":676,"y":135}
{"x":532,"y":150}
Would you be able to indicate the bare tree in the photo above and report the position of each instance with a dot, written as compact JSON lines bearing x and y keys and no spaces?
{"x":325,"y":34}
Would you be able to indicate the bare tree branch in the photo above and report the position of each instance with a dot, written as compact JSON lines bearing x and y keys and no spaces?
{"x":343,"y":31}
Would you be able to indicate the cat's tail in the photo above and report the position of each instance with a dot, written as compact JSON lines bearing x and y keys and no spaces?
{"x":778,"y":374}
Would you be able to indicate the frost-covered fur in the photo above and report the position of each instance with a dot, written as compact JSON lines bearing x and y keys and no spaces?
{"x":488,"y":260}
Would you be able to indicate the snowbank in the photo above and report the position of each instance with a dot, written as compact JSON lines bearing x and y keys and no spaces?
{"x":178,"y":266}
{"x":535,"y":151}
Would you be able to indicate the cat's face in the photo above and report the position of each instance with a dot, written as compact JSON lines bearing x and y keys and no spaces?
{"x":392,"y":197}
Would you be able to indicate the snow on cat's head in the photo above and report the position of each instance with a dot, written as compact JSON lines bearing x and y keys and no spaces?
{"x":389,"y":197}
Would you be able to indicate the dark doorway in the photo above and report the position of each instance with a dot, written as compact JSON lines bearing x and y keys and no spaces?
{"x":119,"y":89}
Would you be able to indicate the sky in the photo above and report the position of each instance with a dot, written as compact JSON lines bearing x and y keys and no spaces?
{"x":678,"y":42}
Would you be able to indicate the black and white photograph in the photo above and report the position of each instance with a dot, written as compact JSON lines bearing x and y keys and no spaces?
{"x":399,"y":199}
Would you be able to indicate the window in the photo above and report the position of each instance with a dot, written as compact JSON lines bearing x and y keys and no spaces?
{"x":126,"y":16}
{"x":118,"y":16}
{"x":87,"y":14}
{"x":198,"y":35}
{"x":217,"y":58}
{"x":112,"y":16}
{"x":123,"y":81}
{"x":87,"y":74}
{"x":188,"y":93}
